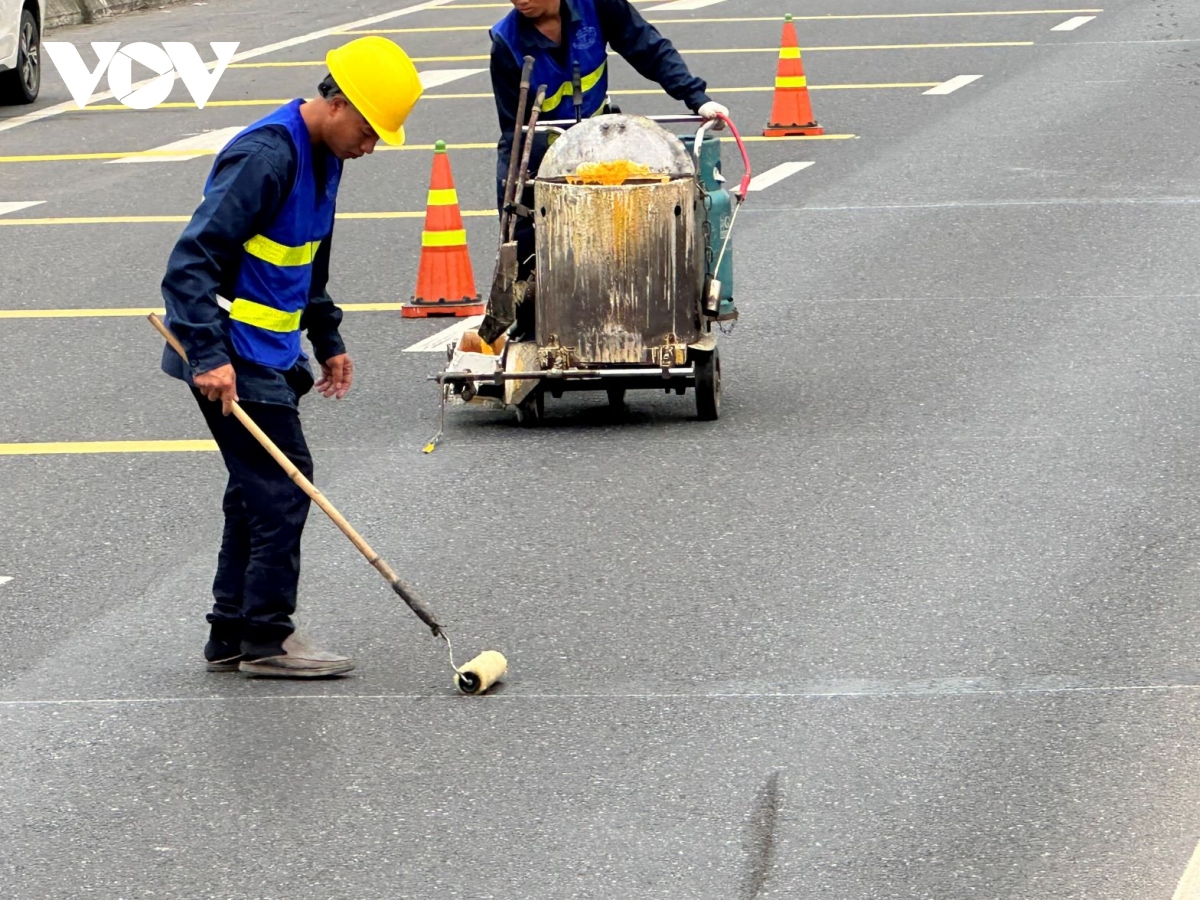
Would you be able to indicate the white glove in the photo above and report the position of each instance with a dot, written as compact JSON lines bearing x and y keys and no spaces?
{"x":711,"y":110}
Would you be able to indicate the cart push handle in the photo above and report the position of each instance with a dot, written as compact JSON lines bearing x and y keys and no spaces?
{"x":744,"y":187}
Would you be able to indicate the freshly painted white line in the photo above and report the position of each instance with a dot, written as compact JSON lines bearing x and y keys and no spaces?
{"x":949,"y":87}
{"x":69,"y":106}
{"x":437,"y":77}
{"x":5,"y":579}
{"x":776,"y":175}
{"x":437,"y":343}
{"x":1072,"y":24}
{"x":959,"y":688}
{"x":204,"y":144}
{"x":1189,"y":884}
{"x":682,"y":4}
{"x":16,"y":205}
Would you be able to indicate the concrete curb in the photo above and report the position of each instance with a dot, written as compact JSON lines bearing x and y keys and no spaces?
{"x":84,"y":12}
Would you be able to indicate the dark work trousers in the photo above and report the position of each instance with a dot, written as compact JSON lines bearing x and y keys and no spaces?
{"x":258,"y":568}
{"x":526,"y":247}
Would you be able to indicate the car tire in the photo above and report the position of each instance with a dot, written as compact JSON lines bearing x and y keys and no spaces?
{"x":21,"y":85}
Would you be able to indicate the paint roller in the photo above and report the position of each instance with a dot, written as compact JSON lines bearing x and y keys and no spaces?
{"x":474,"y":677}
{"x":482,"y":672}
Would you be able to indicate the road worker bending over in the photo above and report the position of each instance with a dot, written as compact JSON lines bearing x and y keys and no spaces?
{"x":246,"y":277}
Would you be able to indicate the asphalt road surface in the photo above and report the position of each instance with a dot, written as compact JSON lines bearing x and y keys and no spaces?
{"x":916,"y":618}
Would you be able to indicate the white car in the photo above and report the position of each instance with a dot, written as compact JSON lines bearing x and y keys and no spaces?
{"x":21,"y":49}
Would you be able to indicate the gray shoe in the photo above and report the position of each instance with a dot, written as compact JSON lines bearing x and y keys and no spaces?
{"x":300,"y":659}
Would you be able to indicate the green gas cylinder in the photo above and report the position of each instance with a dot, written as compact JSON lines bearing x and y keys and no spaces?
{"x":718,"y":211}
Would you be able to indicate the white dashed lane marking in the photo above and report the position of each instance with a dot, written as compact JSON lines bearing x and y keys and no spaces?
{"x":12,"y":206}
{"x":776,"y":175}
{"x":1189,"y":884}
{"x":949,"y":87}
{"x":1072,"y":24}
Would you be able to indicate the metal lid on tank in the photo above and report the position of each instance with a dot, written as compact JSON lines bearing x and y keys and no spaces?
{"x":617,"y":139}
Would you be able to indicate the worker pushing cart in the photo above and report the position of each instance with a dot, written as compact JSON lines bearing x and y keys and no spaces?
{"x":568,"y":41}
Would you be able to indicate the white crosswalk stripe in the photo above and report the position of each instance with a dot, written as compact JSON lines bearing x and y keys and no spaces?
{"x":683,"y":4}
{"x":203,"y":145}
{"x":437,"y":77}
{"x":437,"y":343}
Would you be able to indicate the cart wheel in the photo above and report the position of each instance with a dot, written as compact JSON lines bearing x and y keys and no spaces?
{"x":708,"y":385}
{"x":532,"y":409}
{"x":616,"y":397}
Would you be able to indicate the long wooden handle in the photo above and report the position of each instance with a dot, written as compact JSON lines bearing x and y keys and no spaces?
{"x":399,"y":586}
{"x":514,"y":158}
{"x":526,"y":155}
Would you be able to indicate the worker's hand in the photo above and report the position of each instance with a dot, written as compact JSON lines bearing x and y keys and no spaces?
{"x":218,"y":384}
{"x":711,"y":110}
{"x":337,"y":373}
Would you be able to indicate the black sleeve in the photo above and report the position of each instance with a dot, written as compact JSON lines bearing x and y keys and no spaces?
{"x":322,"y":317}
{"x":652,"y":55}
{"x":506,"y":86}
{"x":249,"y":186}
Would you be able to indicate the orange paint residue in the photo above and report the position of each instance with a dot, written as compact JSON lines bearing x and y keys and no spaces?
{"x":615,"y":172}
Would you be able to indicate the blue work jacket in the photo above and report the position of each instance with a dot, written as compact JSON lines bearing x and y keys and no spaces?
{"x":621,"y":27}
{"x":249,"y":185}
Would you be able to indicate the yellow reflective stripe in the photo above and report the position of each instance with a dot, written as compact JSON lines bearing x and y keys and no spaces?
{"x":792,"y":82}
{"x":446,"y":197}
{"x":267,"y":250}
{"x":262,"y":316}
{"x":789,"y":52}
{"x":444,"y":238}
{"x":586,"y":83}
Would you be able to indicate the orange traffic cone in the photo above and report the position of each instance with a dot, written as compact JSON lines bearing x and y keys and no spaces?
{"x":445,"y":282}
{"x":791,"y":112}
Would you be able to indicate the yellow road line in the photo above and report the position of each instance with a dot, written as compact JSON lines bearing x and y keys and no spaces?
{"x":122,"y":312}
{"x":715,"y":21}
{"x":1001,"y":12}
{"x":744,"y":90}
{"x":432,"y":29}
{"x":842,"y":17}
{"x":98,"y":220}
{"x":173,"y":104}
{"x":144,"y":220}
{"x":310,"y":63}
{"x":78,"y":313}
{"x":487,"y":145}
{"x":504,"y":5}
{"x":868,"y":47}
{"x":487,"y":95}
{"x":65,"y":157}
{"x":320,"y":63}
{"x":32,"y":449}
{"x":74,"y":157}
{"x":857,"y":87}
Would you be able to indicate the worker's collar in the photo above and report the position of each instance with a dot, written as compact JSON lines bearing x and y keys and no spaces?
{"x":528,"y":31}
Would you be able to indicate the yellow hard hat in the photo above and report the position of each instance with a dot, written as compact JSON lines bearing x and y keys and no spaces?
{"x":380,"y":80}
